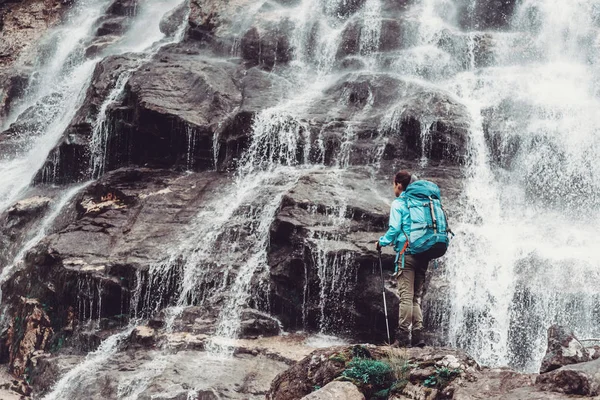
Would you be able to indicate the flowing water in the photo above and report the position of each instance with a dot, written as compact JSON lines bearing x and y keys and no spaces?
{"x":56,"y":91}
{"x":73,"y":382}
{"x":41,"y":231}
{"x":58,"y":88}
{"x":524,"y":256}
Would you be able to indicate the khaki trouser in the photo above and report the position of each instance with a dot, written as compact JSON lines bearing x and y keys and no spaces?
{"x":410,"y":289}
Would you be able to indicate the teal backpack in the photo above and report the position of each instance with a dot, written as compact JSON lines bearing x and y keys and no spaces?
{"x":429,"y":229}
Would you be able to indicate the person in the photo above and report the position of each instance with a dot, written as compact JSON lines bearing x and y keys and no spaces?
{"x":411,"y":275}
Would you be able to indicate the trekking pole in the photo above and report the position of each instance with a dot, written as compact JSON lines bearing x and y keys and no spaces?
{"x":387,"y":324}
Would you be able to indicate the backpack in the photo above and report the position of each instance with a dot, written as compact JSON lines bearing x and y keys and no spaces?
{"x":428,"y":235}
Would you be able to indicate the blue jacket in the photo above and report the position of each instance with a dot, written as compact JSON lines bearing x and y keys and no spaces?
{"x":399,"y":223}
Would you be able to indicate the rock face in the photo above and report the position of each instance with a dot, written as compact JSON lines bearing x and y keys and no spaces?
{"x":28,"y":334}
{"x":22,"y":24}
{"x":174,"y":140}
{"x":487,"y":14}
{"x":579,"y":379}
{"x":563,"y":349}
{"x":336,"y":390}
{"x":427,"y":374}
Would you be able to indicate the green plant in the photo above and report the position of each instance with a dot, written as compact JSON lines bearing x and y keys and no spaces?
{"x":369,"y":372}
{"x":401,"y":366}
{"x":382,"y":394}
{"x":441,"y":377}
{"x":360,"y":351}
{"x":339,"y":357}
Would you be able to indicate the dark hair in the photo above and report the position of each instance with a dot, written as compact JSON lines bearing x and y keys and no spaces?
{"x":403,"y":178}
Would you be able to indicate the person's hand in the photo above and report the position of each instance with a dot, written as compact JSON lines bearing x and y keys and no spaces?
{"x":378,"y":246}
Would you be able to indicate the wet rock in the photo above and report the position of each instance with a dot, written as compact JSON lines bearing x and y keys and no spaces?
{"x":27,"y":209}
{"x":216,"y":23}
{"x":336,"y":390}
{"x":416,"y":122}
{"x":70,"y":160}
{"x":305,"y":235}
{"x":173,"y":20}
{"x":578,"y":379}
{"x":486,"y":14}
{"x":350,"y":42}
{"x":29,"y":332}
{"x":468,"y":49}
{"x":594,"y":352}
{"x":124,"y":8}
{"x":143,"y":335}
{"x":112,"y":25}
{"x":390,"y":38}
{"x":300,"y":297}
{"x":11,"y":89}
{"x":160,"y":127}
{"x":116,"y":227}
{"x":22,"y":25}
{"x":563,"y":349}
{"x":185,"y":374}
{"x":255,"y":323}
{"x":267,"y":47}
{"x":343,"y":9}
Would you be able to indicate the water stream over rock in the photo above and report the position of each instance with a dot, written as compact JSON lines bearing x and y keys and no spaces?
{"x":237,"y":158}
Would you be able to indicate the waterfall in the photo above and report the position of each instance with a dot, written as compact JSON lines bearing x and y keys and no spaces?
{"x":56,"y":93}
{"x":529,"y":204}
{"x":524,"y":257}
{"x":59,"y":85}
{"x":74,"y":381}
{"x":42,"y":230}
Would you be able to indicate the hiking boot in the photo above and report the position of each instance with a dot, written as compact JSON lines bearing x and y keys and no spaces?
{"x":417,"y":339}
{"x":402,"y":339}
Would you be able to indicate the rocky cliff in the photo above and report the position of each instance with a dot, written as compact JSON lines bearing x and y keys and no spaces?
{"x":208,"y":177}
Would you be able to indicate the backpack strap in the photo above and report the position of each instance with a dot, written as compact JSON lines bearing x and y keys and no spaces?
{"x":433,"y":219}
{"x":448,"y":230}
{"x":401,"y":253}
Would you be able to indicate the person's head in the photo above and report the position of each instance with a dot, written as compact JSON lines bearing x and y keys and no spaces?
{"x":401,"y":181}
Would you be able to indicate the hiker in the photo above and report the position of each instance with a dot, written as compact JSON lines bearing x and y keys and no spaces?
{"x":419,"y":233}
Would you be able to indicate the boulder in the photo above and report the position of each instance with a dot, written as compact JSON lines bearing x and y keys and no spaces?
{"x":28,"y":209}
{"x":328,"y":365}
{"x":255,"y":323}
{"x":336,"y":390}
{"x":267,"y":47}
{"x":159,"y":126}
{"x":143,"y":335}
{"x":563,"y":349}
{"x":171,"y":22}
{"x":581,"y":379}
{"x":112,"y":25}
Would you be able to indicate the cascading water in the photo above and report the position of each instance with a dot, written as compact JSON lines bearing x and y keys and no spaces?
{"x":41,"y":231}
{"x":75,"y":380}
{"x":525,"y":256}
{"x":55,"y":93}
{"x":279,"y":154}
